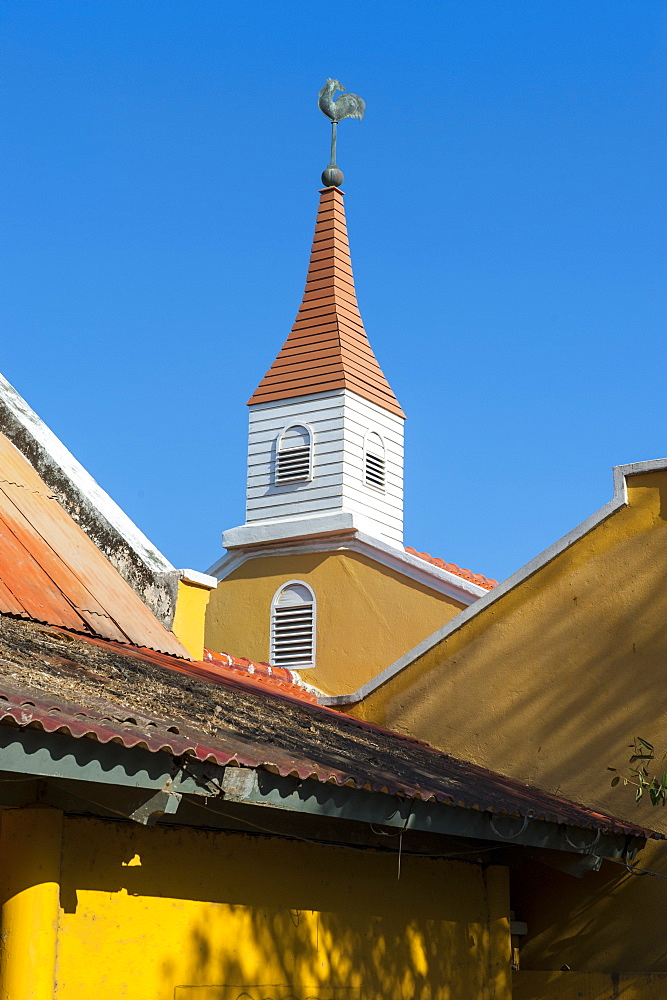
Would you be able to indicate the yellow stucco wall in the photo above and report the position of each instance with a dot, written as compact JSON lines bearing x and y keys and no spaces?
{"x":190,"y":616}
{"x":607,"y":921}
{"x":30,"y":855}
{"x":164,"y":913}
{"x":551,"y":681}
{"x":549,"y":684}
{"x":367,"y":615}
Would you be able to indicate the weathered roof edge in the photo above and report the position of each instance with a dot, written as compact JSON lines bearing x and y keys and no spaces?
{"x":619,"y":500}
{"x":32,"y":709}
{"x":137,"y":560}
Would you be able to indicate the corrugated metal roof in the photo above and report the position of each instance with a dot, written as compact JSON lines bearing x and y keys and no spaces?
{"x":50,"y":571}
{"x":94,"y":688}
{"x":328,"y":347}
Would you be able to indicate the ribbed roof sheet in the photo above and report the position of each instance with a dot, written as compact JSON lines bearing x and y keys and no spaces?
{"x":328,"y":347}
{"x":50,"y":571}
{"x":95,"y":688}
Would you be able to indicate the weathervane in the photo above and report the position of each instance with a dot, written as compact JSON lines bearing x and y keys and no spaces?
{"x":346,"y":106}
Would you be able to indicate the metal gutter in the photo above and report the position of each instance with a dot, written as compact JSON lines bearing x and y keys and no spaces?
{"x":166,"y":780}
{"x":261,"y":788}
{"x":37,"y":754}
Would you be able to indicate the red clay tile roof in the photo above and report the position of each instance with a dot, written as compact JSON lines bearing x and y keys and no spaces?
{"x":87,"y":687}
{"x":277,"y":679}
{"x":465,"y":574}
{"x":50,"y":571}
{"x":328,"y":347}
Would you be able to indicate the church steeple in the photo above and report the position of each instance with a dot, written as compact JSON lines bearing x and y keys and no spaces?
{"x":328,"y":347}
{"x":325,"y":443}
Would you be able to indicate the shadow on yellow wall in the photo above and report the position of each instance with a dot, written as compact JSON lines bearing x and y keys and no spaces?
{"x":589,"y":986}
{"x":549,"y":684}
{"x":191,"y":914}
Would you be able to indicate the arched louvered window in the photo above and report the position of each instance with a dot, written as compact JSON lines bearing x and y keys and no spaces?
{"x":374,"y":464}
{"x":294,"y":459}
{"x":293,"y":626}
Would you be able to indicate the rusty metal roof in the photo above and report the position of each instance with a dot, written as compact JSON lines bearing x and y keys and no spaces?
{"x":88,"y":687}
{"x":328,"y":347}
{"x":50,"y":571}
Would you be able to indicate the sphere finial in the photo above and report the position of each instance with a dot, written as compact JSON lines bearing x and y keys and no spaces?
{"x":332,"y":177}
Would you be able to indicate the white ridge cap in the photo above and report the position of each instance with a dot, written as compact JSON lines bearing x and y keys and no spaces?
{"x":82,"y":481}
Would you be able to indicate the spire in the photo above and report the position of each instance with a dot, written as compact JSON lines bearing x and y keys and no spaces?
{"x":328,"y":347}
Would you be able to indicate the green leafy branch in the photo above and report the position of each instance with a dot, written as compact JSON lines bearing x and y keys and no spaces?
{"x":638,"y":774}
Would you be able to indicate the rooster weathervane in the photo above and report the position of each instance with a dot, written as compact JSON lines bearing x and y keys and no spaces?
{"x":346,"y":106}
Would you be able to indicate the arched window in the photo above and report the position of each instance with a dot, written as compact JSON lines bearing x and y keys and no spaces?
{"x":293,"y":626}
{"x":374,"y":468}
{"x":294,"y":459}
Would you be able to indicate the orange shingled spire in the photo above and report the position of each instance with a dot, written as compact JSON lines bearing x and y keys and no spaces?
{"x":328,"y":347}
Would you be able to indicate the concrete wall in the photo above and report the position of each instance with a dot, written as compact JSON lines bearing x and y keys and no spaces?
{"x":178,"y":913}
{"x":367,"y":614}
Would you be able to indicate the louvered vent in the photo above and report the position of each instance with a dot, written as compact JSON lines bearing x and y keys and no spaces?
{"x":293,"y":627}
{"x":374,"y":461}
{"x":293,"y":462}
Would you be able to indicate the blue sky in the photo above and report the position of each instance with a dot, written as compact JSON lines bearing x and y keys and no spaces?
{"x":506,"y":206}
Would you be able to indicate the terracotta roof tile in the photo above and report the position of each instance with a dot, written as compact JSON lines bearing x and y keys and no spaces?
{"x":465,"y":574}
{"x":328,"y":347}
{"x":280,"y":680}
{"x":50,"y":571}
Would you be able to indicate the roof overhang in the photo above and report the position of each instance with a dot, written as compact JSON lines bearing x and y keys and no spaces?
{"x":146,"y":787}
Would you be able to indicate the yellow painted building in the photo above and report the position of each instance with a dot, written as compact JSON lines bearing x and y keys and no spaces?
{"x":548,"y":679}
{"x":168,"y":832}
{"x":365,"y":612}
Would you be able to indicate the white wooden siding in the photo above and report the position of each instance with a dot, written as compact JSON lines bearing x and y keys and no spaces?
{"x":340,"y":421}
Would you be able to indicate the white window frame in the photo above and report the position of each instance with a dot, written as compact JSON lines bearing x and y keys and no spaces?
{"x":311,"y":454}
{"x":374,"y":486}
{"x":274,"y":603}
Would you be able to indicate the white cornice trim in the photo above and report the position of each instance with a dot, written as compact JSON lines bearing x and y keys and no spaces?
{"x":619,"y":500}
{"x":266,"y":532}
{"x":198,"y":579}
{"x":433,"y":577}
